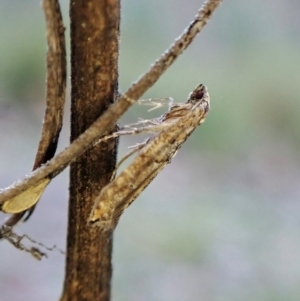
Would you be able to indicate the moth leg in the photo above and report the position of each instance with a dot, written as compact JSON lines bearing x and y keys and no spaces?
{"x":131,"y":130}
{"x":115,"y":135}
{"x":141,"y":122}
{"x":135,"y":148}
{"x":170,"y":104}
{"x":156,"y":103}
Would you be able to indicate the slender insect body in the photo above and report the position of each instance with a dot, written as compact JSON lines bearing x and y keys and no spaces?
{"x":175,"y":127}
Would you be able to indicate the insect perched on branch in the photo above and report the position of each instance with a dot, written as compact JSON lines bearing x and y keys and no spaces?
{"x":172,"y":130}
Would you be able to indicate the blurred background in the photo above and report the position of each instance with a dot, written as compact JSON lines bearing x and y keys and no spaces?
{"x":222,"y":222}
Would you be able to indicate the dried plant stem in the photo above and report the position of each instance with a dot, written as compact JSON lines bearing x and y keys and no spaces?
{"x":16,"y":240}
{"x":55,"y":91}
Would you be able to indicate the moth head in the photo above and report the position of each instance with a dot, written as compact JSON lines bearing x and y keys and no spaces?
{"x":199,"y":93}
{"x":200,"y":96}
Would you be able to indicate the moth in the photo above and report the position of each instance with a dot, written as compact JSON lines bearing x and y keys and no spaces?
{"x":172,"y":130}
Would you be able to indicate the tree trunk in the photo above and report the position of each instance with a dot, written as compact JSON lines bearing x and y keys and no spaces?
{"x":94,"y":75}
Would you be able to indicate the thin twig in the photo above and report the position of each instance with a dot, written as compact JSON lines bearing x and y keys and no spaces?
{"x":16,"y":240}
{"x":115,"y":111}
{"x":55,"y":92}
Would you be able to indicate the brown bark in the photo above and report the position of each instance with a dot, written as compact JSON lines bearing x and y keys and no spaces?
{"x":94,"y":59}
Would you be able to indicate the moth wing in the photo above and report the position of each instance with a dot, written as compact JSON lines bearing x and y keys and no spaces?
{"x":128,"y":200}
